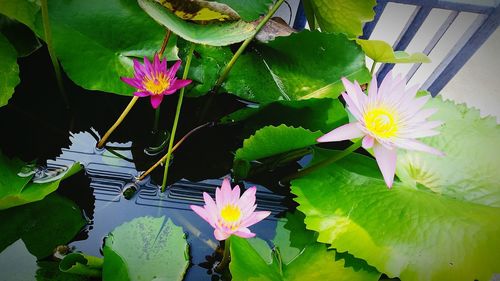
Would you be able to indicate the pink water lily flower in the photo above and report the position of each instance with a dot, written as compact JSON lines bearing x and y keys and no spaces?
{"x":155,"y":79}
{"x":388,"y":118}
{"x":230,"y":213}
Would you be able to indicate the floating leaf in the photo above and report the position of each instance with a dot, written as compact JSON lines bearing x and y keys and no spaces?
{"x":146,"y":248}
{"x":272,"y":140}
{"x":200,"y":11}
{"x":18,"y":190}
{"x":381,"y":51}
{"x":248,"y":9}
{"x":343,"y":16}
{"x":296,"y":256}
{"x":288,"y":68}
{"x":215,"y":34}
{"x":81,"y":264}
{"x":405,"y":232}
{"x":49,"y":271}
{"x":9,"y":70}
{"x":41,"y":225}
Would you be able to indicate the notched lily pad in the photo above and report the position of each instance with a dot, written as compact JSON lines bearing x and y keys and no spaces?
{"x":381,"y":51}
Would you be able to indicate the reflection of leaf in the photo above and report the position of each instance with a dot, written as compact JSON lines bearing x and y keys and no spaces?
{"x":296,"y":256}
{"x":16,"y":190}
{"x":215,"y":34}
{"x":49,"y":271}
{"x":342,"y":16}
{"x":381,"y":51}
{"x":289,"y":68}
{"x":146,"y":248}
{"x":42,"y":225}
{"x":9,"y":70}
{"x":406,"y":232}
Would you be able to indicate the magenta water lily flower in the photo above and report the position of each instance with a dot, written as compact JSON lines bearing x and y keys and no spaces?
{"x":155,"y":79}
{"x":388,"y":118}
{"x":231,"y":214}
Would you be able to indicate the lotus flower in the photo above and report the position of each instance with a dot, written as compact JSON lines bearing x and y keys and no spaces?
{"x":230,"y":213}
{"x":155,"y":79}
{"x":388,"y":118}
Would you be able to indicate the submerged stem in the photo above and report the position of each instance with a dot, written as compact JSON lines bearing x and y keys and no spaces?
{"x":325,"y":162}
{"x":52,"y":53}
{"x":176,"y":119}
{"x":227,"y":256}
{"x":102,"y":142}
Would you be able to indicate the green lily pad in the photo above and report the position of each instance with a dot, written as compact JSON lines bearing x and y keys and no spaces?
{"x":469,"y":171}
{"x":9,"y":70}
{"x":289,"y":68}
{"x":404,"y":232}
{"x":343,"y":16}
{"x":272,"y":140}
{"x":146,"y":248}
{"x":42,"y":225}
{"x":215,"y":33}
{"x":296,"y":256}
{"x":248,"y":10}
{"x":381,"y":51}
{"x":313,"y":114}
{"x":49,"y":271}
{"x":81,"y":264}
{"x":16,"y":190}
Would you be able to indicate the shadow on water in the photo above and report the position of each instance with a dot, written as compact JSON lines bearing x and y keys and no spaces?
{"x":35,"y":126}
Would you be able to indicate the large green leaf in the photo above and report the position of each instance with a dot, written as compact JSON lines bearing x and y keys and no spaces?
{"x":313,"y":114}
{"x":248,"y":9}
{"x":381,"y":51}
{"x":272,"y":140}
{"x":406,"y":232}
{"x":23,"y":11}
{"x":42,"y":225}
{"x":16,"y":190}
{"x":215,"y":33}
{"x":22,"y":38}
{"x":343,"y":16}
{"x":303,"y":65}
{"x":469,"y":171}
{"x":146,"y":248}
{"x":9,"y":70}
{"x":296,"y":256}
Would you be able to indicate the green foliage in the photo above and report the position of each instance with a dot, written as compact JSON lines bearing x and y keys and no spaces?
{"x":381,"y":51}
{"x":288,"y":68}
{"x":41,"y":225}
{"x":49,"y":271}
{"x":248,"y":9}
{"x":16,"y":190}
{"x":296,"y":256}
{"x":9,"y":70}
{"x":146,"y":248}
{"x":215,"y":34}
{"x":341,"y":16}
{"x":20,"y":36}
{"x":81,"y":264}
{"x":24,"y":11}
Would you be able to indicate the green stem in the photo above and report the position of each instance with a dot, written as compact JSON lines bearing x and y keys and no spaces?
{"x":157,"y":120}
{"x":325,"y":162}
{"x":48,"y":39}
{"x":372,"y":70}
{"x":227,"y":256}
{"x":243,"y":46}
{"x":102,"y":142}
{"x":176,"y":119}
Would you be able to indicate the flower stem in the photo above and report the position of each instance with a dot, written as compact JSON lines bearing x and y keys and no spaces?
{"x":176,"y":119}
{"x":156,"y":120}
{"x":227,"y":256}
{"x":372,"y":70}
{"x":53,"y":58}
{"x":143,"y":175}
{"x":334,"y":158}
{"x":102,"y":142}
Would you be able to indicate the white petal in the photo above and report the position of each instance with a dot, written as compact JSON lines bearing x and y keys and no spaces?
{"x":346,"y":132}
{"x":386,"y":160}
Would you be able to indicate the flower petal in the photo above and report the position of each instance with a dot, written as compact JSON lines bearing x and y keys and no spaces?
{"x":247,"y":200}
{"x":210,"y":206}
{"x":255,"y":218}
{"x":224,"y":196}
{"x":220,"y":235}
{"x":134,"y":82}
{"x":139,"y":69}
{"x":386,"y":160}
{"x":179,"y":83}
{"x":156,"y":100}
{"x":235,"y":195}
{"x":142,"y":94}
{"x":203,"y":214}
{"x":368,"y":142}
{"x":148,"y":67}
{"x":244,"y":232}
{"x":345,"y":132}
{"x":174,"y":68}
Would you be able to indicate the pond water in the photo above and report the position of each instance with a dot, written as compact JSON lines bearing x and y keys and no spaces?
{"x":35,"y":126}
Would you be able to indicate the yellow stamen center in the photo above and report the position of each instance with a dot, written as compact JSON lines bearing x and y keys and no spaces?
{"x":230,"y":213}
{"x":156,"y":85}
{"x":381,"y":122}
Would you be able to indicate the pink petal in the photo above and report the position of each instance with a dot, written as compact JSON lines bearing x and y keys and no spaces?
{"x":174,"y":68}
{"x":244,"y":232}
{"x":221,"y":235}
{"x":156,"y":100}
{"x":156,"y":63}
{"x":373,"y":89}
{"x":179,"y":83}
{"x":386,"y":160}
{"x":235,"y":195}
{"x":132,"y":82}
{"x":255,"y":218}
{"x":352,"y":107}
{"x":148,"y":67}
{"x":138,"y":69}
{"x":368,"y":142}
{"x":247,"y":200}
{"x":345,"y":132}
{"x":223,"y":195}
{"x":419,"y":146}
{"x":141,"y":94}
{"x":203,"y":214}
